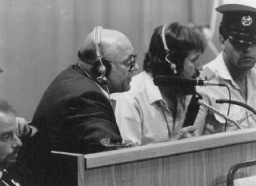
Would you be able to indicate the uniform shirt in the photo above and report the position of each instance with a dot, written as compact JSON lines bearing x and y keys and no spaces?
{"x":207,"y":122}
{"x":142,"y":114}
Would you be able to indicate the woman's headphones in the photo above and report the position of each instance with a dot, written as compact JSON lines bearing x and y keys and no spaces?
{"x":167,"y":52}
{"x":100,"y":66}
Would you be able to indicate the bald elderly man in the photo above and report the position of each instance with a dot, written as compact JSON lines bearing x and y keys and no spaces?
{"x":75,"y":113}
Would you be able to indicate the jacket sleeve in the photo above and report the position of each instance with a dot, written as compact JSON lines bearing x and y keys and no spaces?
{"x":88,"y":119}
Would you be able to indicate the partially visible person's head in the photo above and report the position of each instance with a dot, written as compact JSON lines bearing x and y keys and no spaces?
{"x":115,"y":51}
{"x":183,"y":48}
{"x":238,"y":34}
{"x":9,"y":141}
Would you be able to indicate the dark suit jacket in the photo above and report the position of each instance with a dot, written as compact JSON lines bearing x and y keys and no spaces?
{"x":73,"y":116}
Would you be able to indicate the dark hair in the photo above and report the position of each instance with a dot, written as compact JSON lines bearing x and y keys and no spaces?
{"x":181,"y":40}
{"x":6,"y":107}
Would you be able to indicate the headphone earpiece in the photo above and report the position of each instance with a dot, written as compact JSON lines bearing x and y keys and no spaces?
{"x":172,"y":65}
{"x":101,"y":70}
{"x":101,"y":67}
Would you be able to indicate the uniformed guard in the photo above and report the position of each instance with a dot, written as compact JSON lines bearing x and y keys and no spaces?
{"x":234,"y":67}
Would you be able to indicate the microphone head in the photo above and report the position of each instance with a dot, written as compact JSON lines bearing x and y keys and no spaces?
{"x":183,"y":86}
{"x":166,"y":81}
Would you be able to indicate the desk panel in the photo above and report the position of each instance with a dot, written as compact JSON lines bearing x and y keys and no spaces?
{"x":199,"y":161}
{"x":199,"y":168}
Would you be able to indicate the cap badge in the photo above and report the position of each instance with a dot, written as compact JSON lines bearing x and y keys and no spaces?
{"x":246,"y":20}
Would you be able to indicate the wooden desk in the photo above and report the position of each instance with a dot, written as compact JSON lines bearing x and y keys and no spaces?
{"x":200,"y":161}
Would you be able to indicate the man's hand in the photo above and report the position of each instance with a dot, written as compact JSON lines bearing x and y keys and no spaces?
{"x":186,"y":132}
{"x":23,"y":128}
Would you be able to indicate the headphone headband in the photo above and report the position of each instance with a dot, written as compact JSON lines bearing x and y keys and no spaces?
{"x":96,"y":40}
{"x":167,"y":50}
{"x":164,"y":40}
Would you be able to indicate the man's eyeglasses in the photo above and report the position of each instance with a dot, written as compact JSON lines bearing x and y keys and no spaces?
{"x":130,"y":62}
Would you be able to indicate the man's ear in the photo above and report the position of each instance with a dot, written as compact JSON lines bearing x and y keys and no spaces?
{"x":222,"y":42}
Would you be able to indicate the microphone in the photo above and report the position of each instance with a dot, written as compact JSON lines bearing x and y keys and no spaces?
{"x":167,"y":81}
{"x":221,"y":101}
{"x":202,"y":103}
{"x":192,"y":110}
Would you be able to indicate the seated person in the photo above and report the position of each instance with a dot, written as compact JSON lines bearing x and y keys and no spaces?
{"x":9,"y":143}
{"x":75,"y":113}
{"x":235,"y":67}
{"x":148,"y":113}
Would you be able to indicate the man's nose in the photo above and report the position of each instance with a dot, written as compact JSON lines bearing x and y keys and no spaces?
{"x":135,"y":67}
{"x":199,"y":65}
{"x":247,"y":49}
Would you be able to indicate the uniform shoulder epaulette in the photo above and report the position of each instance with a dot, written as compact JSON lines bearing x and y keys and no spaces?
{"x":207,"y":74}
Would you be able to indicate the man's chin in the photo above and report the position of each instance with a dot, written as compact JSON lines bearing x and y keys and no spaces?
{"x":7,"y":164}
{"x":125,"y":88}
{"x":11,"y":160}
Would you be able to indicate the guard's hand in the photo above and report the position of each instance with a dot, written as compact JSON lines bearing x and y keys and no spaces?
{"x":23,"y":128}
{"x":186,"y":132}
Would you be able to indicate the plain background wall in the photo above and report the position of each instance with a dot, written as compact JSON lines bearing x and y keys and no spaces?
{"x":39,"y":38}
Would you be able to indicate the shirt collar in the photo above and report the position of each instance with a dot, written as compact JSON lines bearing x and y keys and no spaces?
{"x":219,"y":67}
{"x":252,"y":75}
{"x":152,"y":91}
{"x":2,"y":172}
{"x":103,"y":90}
{"x":154,"y":95}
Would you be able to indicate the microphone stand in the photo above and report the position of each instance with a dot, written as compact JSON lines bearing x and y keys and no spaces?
{"x":192,"y":110}
{"x":220,"y":114}
{"x":236,"y":103}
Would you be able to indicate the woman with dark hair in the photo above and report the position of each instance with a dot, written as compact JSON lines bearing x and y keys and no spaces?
{"x":148,"y":113}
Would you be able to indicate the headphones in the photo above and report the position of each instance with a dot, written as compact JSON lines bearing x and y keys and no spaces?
{"x":100,"y":66}
{"x":167,"y":51}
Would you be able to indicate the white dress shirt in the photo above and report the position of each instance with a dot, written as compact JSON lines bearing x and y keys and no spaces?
{"x":143,"y":115}
{"x":208,"y":123}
